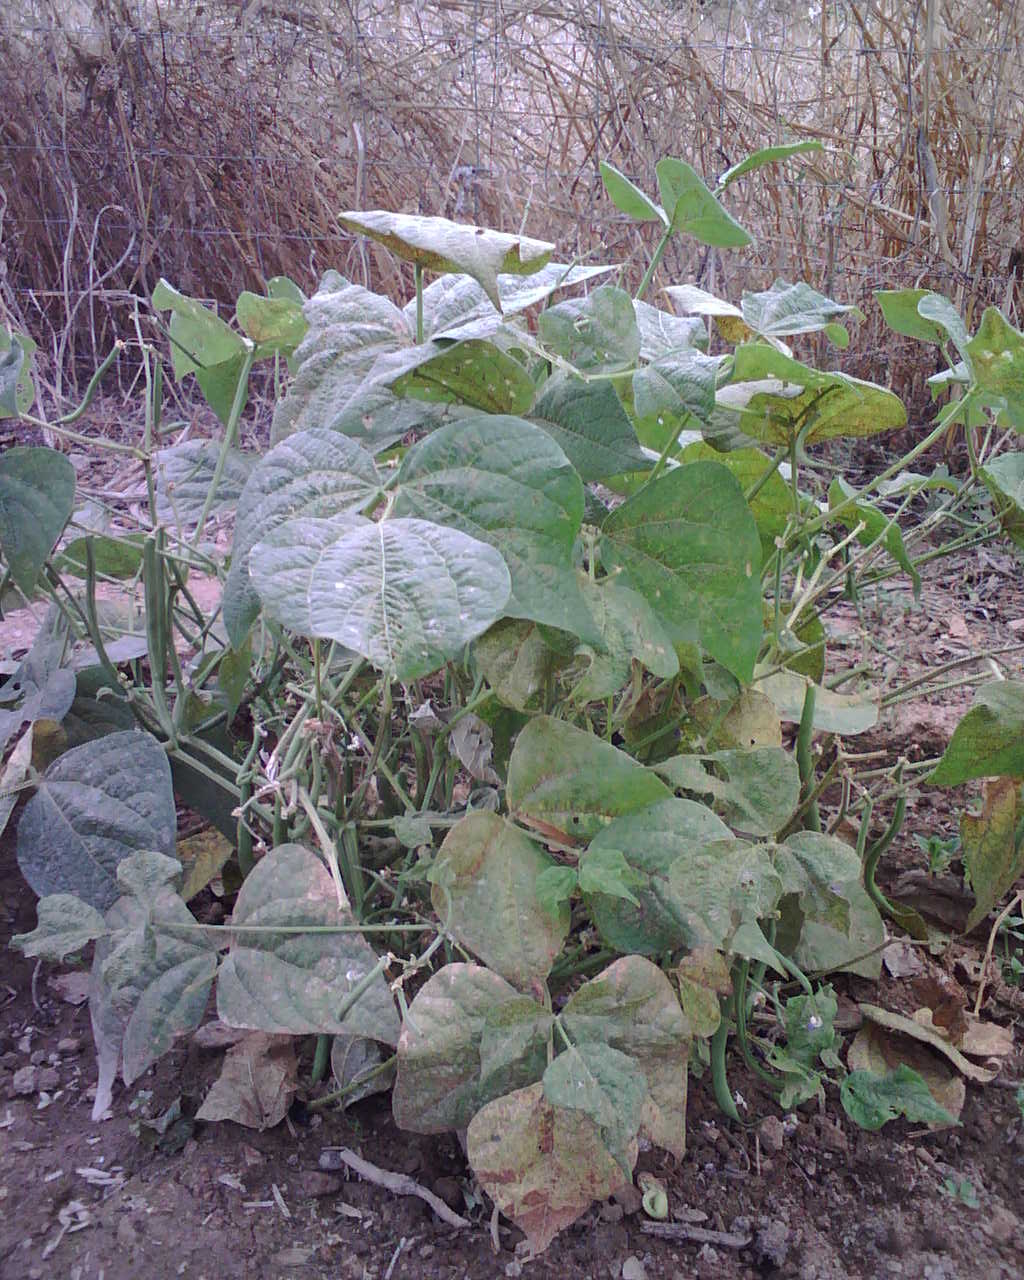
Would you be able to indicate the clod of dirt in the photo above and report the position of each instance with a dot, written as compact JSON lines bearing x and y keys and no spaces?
{"x":772,"y":1242}
{"x":24,"y":1081}
{"x":772,"y":1133}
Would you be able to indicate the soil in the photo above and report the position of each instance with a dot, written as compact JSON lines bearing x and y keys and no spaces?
{"x":805,"y":1194}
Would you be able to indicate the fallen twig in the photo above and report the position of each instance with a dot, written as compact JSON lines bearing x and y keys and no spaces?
{"x":696,"y":1235}
{"x":400,"y":1184}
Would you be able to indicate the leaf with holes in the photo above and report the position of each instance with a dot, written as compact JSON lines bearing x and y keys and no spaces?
{"x":404,"y":593}
{"x":281,"y":977}
{"x":485,"y":889}
{"x":37,"y":494}
{"x":688,"y":544}
{"x":755,"y":791}
{"x":468,"y":1038}
{"x":312,"y":474}
{"x":596,"y":334}
{"x":94,"y":806}
{"x":568,"y":779}
{"x":438,"y":244}
{"x":504,"y":481}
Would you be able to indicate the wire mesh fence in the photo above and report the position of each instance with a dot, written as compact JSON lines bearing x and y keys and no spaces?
{"x":215,"y":144}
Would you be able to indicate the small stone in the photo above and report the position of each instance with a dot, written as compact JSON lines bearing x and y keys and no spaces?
{"x":311,"y":1184}
{"x":38,"y":1057}
{"x":1003,"y":1226}
{"x":49,"y":1079}
{"x":69,"y":1046}
{"x":633,"y":1269}
{"x":771,"y":1244}
{"x":252,"y":1157}
{"x":513,"y":1269}
{"x":629,"y":1198}
{"x":127,"y":1236}
{"x":426,"y":1251}
{"x":772,"y":1133}
{"x":24,"y":1081}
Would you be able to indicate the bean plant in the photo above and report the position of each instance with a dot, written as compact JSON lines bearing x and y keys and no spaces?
{"x":490,"y":707}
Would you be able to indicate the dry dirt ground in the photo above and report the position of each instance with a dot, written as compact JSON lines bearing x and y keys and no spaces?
{"x":804,"y":1194}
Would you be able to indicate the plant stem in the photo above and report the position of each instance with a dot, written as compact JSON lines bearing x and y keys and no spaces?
{"x":654,"y":263}
{"x":417,"y":275}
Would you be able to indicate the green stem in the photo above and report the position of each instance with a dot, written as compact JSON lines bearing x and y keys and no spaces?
{"x":417,"y":275}
{"x":719,"y":1076}
{"x":230,"y":434}
{"x":320,"y":1103}
{"x":320,"y":1059}
{"x":654,"y":263}
{"x":805,"y":760}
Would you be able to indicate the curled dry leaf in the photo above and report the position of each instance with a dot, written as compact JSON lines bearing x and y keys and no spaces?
{"x":256,"y":1083}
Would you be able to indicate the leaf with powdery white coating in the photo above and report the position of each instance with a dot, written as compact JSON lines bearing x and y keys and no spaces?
{"x":755,"y":791}
{"x":468,"y":1038}
{"x":605,"y":1085}
{"x":404,"y":593}
{"x":64,"y":924}
{"x":541,"y":1165}
{"x":278,"y":978}
{"x":569,"y":779}
{"x":486,"y":892}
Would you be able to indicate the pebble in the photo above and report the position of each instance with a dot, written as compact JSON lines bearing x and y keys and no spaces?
{"x":633,"y":1269}
{"x":629,"y":1198}
{"x":772,"y":1133}
{"x":311,"y":1184}
{"x":1003,"y":1226}
{"x":69,"y":1046}
{"x":49,"y":1079}
{"x":772,"y":1242}
{"x":24,"y":1081}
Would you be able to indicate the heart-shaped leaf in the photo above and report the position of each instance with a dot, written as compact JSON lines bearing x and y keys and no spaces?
{"x":627,"y":197}
{"x":313,"y":474}
{"x":997,"y":356}
{"x":691,"y":208}
{"x":65,"y":924}
{"x":37,"y":494}
{"x":834,"y":712}
{"x":568,"y":779}
{"x":989,"y":740}
{"x":438,"y":244}
{"x":201,"y":343}
{"x":485,"y":889}
{"x":629,"y":630}
{"x":94,"y":806}
{"x":771,"y":506}
{"x":184,"y":474}
{"x":661,"y":332}
{"x":606,"y":1086}
{"x":472,"y":372}
{"x":468,"y":1038}
{"x":404,"y":593}
{"x":274,"y":324}
{"x":786,"y":308}
{"x":506,"y":482}
{"x":516,"y":663}
{"x":279,"y":978}
{"x":688,"y":544}
{"x":630,"y":1006}
{"x":899,"y":307}
{"x":541,"y":1165}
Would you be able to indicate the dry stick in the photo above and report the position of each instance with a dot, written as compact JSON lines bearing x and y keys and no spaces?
{"x":1016,"y":901}
{"x":697,"y":1235}
{"x":400,"y":1184}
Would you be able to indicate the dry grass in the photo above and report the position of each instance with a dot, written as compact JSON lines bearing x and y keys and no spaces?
{"x":214,"y":144}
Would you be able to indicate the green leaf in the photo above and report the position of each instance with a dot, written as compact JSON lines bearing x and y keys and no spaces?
{"x":631,"y":1007}
{"x":605,"y":1085}
{"x":472,"y":372}
{"x":606,"y":871}
{"x":65,"y":924}
{"x":467,"y":1038}
{"x":1004,"y":478}
{"x":774,"y":397}
{"x":37,"y":495}
{"x":691,"y":208}
{"x":628,"y":198}
{"x":542,"y":1166}
{"x":991,"y":853}
{"x":766,"y":155}
{"x":554,"y":888}
{"x":233,"y":675}
{"x":17,"y":386}
{"x":440,"y":245}
{"x":94,"y":806}
{"x":870,"y":1100}
{"x":786,"y":309}
{"x":899,"y":307}
{"x":488,"y":898}
{"x":404,"y":593}
{"x":835,"y":925}
{"x":201,"y":343}
{"x":184,"y":474}
{"x":756,"y":791}
{"x":651,"y":840}
{"x":771,"y":506}
{"x":875,"y":527}
{"x":934,"y":307}
{"x":115,"y":557}
{"x":296,"y":981}
{"x":311,"y":474}
{"x":505,"y":481}
{"x":629,"y":630}
{"x":274,"y":324}
{"x":673,"y":387}
{"x":589,"y":423}
{"x":516,"y":663}
{"x":661,"y":332}
{"x":688,"y":544}
{"x":996,"y":353}
{"x":40,"y":688}
{"x":842,"y":713}
{"x":989,"y":740}
{"x":564,"y":777}
{"x":597,"y":334}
